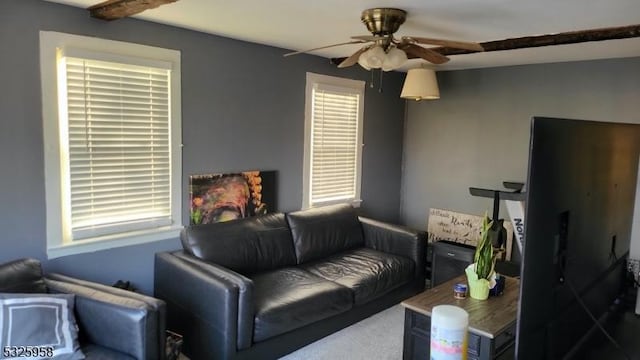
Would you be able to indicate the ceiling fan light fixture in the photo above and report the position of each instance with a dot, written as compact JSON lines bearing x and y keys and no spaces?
{"x":375,"y":57}
{"x":420,"y":84}
{"x":363,"y":60}
{"x":395,"y":58}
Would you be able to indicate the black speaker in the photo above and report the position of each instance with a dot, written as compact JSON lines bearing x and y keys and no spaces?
{"x":449,"y":260}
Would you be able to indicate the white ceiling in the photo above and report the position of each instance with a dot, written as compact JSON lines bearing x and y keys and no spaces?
{"x":299,"y":25}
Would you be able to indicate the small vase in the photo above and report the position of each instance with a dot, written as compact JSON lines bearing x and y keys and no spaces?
{"x":478,"y":288}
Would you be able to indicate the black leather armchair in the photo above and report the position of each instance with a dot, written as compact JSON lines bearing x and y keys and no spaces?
{"x":114,"y":324}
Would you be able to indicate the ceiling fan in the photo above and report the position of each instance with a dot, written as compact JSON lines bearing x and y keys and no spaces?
{"x":383,"y":50}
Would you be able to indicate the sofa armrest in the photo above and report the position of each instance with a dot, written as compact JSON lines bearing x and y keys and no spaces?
{"x":218,"y":300}
{"x":120,"y":322}
{"x":397,"y":240}
{"x":158,"y":307}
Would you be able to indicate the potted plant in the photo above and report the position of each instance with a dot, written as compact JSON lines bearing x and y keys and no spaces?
{"x":481,"y":274}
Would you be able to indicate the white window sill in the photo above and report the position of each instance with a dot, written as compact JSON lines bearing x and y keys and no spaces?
{"x":113,"y":241}
{"x":355,"y":203}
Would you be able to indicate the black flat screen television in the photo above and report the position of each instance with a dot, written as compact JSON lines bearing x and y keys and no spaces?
{"x":581,"y":189}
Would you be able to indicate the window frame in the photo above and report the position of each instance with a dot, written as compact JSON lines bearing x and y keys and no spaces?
{"x":356,"y":86}
{"x":52,"y":46}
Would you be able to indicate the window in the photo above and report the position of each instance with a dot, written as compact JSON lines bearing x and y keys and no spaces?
{"x":333,"y":140}
{"x":111,"y":116}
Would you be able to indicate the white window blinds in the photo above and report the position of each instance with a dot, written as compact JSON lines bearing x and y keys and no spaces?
{"x":119,"y":175}
{"x":335,"y":144}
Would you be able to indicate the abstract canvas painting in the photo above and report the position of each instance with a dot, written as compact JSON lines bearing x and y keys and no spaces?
{"x":223,"y":197}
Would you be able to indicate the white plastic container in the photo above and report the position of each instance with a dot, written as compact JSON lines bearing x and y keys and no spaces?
{"x":449,"y":329}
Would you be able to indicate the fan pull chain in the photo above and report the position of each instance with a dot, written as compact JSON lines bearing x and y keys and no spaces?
{"x":371,"y":83}
{"x":380,"y":84}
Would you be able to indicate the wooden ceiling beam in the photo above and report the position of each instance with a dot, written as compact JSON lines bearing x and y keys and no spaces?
{"x":116,"y":9}
{"x":565,"y":38}
{"x":572,"y":37}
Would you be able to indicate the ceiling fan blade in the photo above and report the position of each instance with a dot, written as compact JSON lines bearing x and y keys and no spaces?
{"x":353,"y":59}
{"x":426,"y":54}
{"x":368,"y":37}
{"x":448,"y":43}
{"x":324,"y":47}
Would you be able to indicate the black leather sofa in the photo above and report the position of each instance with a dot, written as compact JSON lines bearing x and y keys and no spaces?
{"x":114,"y":324}
{"x":261,"y":287}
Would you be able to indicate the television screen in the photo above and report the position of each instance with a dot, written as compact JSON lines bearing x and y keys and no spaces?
{"x":581,"y":188}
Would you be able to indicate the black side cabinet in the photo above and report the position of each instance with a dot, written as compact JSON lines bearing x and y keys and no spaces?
{"x":449,"y":260}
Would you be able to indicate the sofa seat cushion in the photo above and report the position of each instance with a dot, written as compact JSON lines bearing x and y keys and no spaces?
{"x":289,"y":298}
{"x":367,"y":272}
{"x":95,"y":352}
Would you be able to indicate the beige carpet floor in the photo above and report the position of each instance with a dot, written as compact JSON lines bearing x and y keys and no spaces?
{"x":377,"y":337}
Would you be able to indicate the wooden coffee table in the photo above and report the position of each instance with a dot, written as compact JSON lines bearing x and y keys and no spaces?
{"x":491,"y":322}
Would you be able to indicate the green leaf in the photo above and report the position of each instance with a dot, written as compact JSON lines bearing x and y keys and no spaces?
{"x":483,"y":256}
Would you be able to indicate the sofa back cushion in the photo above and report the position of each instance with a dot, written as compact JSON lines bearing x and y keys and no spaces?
{"x":323,"y":231}
{"x":246,"y":246}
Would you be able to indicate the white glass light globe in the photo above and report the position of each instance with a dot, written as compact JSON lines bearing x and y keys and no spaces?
{"x":386,"y":64}
{"x":363,"y":60}
{"x":394,"y":59}
{"x":375,"y":57}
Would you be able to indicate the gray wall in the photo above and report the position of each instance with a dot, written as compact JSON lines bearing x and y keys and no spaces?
{"x":477,"y":134}
{"x":242,"y":109}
